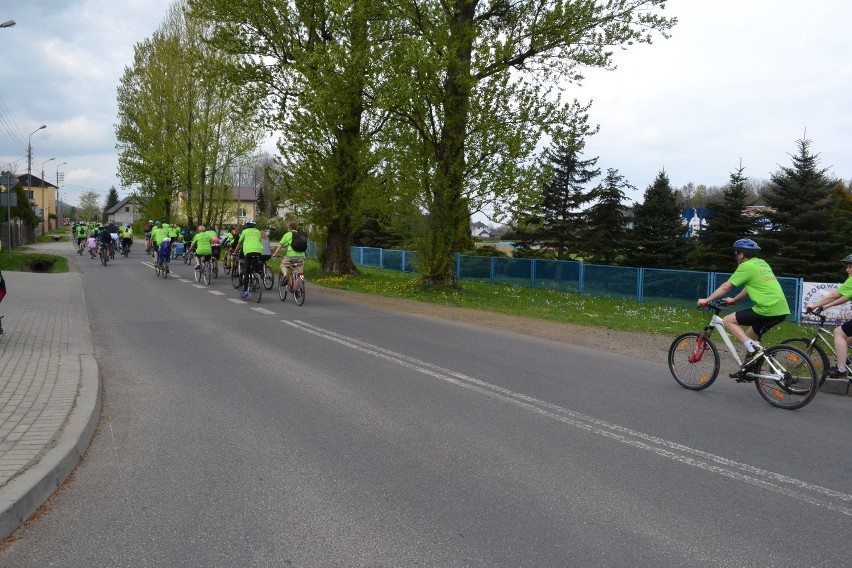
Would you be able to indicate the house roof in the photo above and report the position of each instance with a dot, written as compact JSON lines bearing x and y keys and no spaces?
{"x":244,"y":193}
{"x":120,"y":204}
{"x":29,"y":180}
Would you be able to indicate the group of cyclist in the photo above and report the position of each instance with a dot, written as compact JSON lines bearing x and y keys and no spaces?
{"x":97,"y":236}
{"x":245,"y":245}
{"x":769,"y":305}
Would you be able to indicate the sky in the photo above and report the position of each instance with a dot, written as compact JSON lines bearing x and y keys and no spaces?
{"x":738,"y":81}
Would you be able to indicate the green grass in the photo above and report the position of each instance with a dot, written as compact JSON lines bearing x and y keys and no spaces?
{"x":23,"y":262}
{"x":551,"y":305}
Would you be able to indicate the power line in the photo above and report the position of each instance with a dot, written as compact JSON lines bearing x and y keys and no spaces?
{"x":12,"y":130}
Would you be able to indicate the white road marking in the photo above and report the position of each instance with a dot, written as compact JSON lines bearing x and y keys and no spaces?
{"x":216,"y":292}
{"x":772,"y":481}
{"x":264,"y":311}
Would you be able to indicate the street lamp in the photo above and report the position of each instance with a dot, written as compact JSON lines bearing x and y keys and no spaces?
{"x":8,"y":24}
{"x":30,"y":156}
{"x":43,"y":200}
{"x":58,"y":208}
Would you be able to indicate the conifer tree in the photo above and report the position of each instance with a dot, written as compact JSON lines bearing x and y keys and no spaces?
{"x":799,"y":236}
{"x":606,"y":234}
{"x":658,"y":238}
{"x":726,"y":223}
{"x":562,"y":218}
{"x":111,"y":201}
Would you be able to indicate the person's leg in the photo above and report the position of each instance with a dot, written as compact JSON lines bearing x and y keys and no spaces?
{"x":842,"y":335}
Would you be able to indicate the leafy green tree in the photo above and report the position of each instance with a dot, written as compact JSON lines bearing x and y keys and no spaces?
{"x":90,"y":206}
{"x":313,"y":65}
{"x":180,"y":132}
{"x":658,"y":238}
{"x":726,"y":223}
{"x":23,"y":208}
{"x":800,"y":236}
{"x":471,"y":97}
{"x":607,"y":228}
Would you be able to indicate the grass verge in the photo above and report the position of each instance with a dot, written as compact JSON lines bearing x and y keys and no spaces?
{"x":553,"y":305}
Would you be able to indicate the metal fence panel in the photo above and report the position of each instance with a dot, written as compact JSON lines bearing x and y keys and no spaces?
{"x":661,"y":285}
{"x":611,"y":281}
{"x":513,"y":271}
{"x":563,"y":275}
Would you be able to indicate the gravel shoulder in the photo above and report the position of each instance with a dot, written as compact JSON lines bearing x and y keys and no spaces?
{"x":647,"y":346}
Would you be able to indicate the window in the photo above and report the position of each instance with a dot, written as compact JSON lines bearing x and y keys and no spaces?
{"x":127,"y":209}
{"x":30,"y":195}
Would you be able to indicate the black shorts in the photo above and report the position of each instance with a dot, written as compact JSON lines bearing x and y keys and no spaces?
{"x":761,"y":324}
{"x":847,"y":328}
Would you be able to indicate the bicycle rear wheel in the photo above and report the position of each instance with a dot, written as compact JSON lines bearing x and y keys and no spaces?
{"x":694,"y":360}
{"x":816,"y":353}
{"x":268,"y":277}
{"x":786,"y":377}
{"x":205,"y":272}
{"x":255,"y":288}
{"x":198,"y":272}
{"x":282,"y":287}
{"x":235,"y":278}
{"x":299,"y":291}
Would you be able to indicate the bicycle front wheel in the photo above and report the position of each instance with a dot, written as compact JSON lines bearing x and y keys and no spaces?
{"x":694,"y":360}
{"x":786,"y":377}
{"x":816,"y":353}
{"x":299,"y":291}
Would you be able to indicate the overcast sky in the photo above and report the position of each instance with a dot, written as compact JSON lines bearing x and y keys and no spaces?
{"x":738,"y":79}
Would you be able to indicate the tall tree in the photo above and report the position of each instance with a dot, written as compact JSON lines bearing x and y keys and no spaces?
{"x":563,"y":218}
{"x":800,"y":236}
{"x":180,"y":132}
{"x":111,"y":201}
{"x":471,"y":98}
{"x":90,"y":206}
{"x":607,"y":229}
{"x":726,"y":223}
{"x":658,"y":238}
{"x":313,"y":65}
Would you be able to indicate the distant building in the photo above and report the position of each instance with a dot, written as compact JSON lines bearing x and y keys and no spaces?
{"x":43,"y":195}
{"x":125,"y":211}
{"x":246,"y":205}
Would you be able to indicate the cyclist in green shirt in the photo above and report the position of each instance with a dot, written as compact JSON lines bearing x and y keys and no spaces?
{"x":201,"y":244}
{"x":252,"y":248}
{"x":157,"y":235}
{"x":292,"y":258}
{"x":843,"y":332}
{"x":761,"y":286}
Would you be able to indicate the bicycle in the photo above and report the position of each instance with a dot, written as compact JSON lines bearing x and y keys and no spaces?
{"x":104,"y":254}
{"x":819,"y":346}
{"x":125,"y":249}
{"x":784,"y":375}
{"x":255,"y":287}
{"x":237,"y":268}
{"x":294,"y":285}
{"x":204,"y":272}
{"x":187,"y":255}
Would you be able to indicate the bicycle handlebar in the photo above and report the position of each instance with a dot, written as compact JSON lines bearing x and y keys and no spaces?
{"x":818,"y":312}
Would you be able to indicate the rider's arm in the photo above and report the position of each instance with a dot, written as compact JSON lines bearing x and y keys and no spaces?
{"x":723,"y":289}
{"x":835,"y":301}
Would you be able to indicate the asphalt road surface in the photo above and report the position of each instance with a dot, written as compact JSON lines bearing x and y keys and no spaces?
{"x":337,"y":434}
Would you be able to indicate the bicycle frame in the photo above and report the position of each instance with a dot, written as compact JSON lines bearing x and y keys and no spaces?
{"x":826,"y":338}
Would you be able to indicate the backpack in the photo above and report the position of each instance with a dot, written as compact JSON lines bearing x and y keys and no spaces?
{"x":299,"y":242}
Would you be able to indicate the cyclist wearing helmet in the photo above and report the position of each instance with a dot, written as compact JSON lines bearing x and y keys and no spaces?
{"x":251,"y":246}
{"x":761,"y":286}
{"x":842,"y":332}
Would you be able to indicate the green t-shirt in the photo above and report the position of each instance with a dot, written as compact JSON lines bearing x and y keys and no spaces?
{"x":158,"y":234}
{"x":250,"y":239}
{"x":845,"y":289}
{"x":762,"y":286}
{"x":285,"y":244}
{"x":201,"y":242}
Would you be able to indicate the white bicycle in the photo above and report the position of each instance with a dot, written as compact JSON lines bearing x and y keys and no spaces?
{"x":783,"y":374}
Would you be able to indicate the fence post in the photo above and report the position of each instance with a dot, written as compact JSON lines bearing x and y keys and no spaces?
{"x":532,"y":272}
{"x":493,"y":269}
{"x":382,"y":258}
{"x":582,"y":284}
{"x":458,"y":266}
{"x":711,"y":280}
{"x":404,"y":260}
{"x":640,"y":283}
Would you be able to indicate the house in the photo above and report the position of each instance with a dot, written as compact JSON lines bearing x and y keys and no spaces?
{"x":125,"y":211}
{"x":246,"y":201}
{"x":43,"y":196}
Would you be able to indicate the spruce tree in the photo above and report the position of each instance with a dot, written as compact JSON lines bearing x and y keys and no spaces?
{"x":800,"y":239}
{"x":111,"y":201}
{"x":725,"y":224}
{"x":606,"y":234}
{"x":562,"y":218}
{"x":658,"y":237}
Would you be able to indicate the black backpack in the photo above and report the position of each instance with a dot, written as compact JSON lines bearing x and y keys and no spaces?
{"x":299,"y":242}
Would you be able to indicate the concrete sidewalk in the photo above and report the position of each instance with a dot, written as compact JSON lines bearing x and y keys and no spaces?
{"x":50,"y":392}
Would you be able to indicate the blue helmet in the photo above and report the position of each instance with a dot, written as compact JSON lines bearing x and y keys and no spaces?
{"x":746,"y":244}
{"x":848,"y":259}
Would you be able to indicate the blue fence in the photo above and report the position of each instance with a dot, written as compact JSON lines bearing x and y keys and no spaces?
{"x":629,"y":283}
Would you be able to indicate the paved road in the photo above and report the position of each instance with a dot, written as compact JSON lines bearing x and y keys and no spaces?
{"x":340,"y":435}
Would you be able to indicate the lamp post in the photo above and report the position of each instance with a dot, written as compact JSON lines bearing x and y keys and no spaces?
{"x":30,"y":156}
{"x":8,"y":24}
{"x":58,"y":208}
